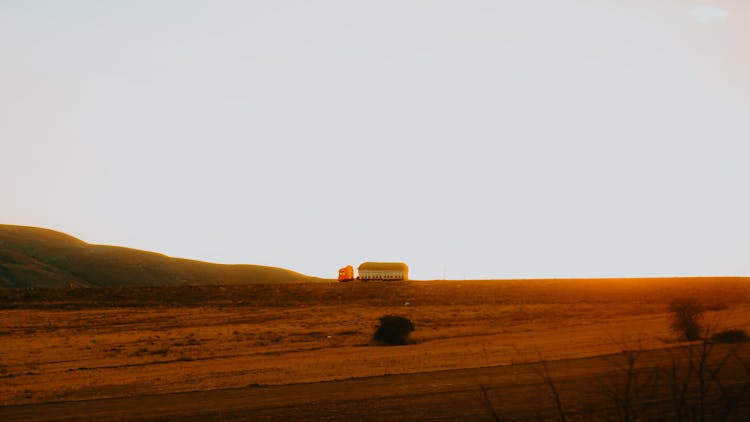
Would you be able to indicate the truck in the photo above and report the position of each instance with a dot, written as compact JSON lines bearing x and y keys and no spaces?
{"x":346,"y":273}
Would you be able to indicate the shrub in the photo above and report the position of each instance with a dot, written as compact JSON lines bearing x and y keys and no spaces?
{"x":393,"y":329}
{"x":717,"y":306}
{"x":687,"y":315}
{"x":730,"y":336}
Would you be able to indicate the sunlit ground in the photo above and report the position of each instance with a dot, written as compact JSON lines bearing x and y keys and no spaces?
{"x":94,"y":343}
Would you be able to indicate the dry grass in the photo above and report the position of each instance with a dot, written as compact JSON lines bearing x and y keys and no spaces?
{"x":93,"y":343}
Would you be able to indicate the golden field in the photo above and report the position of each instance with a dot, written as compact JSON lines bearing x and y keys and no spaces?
{"x":81,"y":344}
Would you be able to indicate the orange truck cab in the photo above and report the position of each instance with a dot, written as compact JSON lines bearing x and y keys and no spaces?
{"x":346,"y":273}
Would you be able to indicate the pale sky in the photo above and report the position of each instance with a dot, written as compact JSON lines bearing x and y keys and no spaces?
{"x":469,"y":139}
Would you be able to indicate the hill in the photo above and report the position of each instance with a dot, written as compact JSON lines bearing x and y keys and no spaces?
{"x":36,"y":257}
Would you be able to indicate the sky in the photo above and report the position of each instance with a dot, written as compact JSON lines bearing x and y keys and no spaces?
{"x":469,"y":139}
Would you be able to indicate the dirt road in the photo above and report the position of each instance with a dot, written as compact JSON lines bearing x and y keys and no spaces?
{"x":587,"y":388}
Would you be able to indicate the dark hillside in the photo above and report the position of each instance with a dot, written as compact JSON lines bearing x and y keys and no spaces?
{"x":36,"y":257}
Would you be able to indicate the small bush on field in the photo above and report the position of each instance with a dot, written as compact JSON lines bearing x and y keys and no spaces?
{"x":730,"y":336}
{"x":687,"y":315}
{"x":717,"y":306}
{"x":393,"y":329}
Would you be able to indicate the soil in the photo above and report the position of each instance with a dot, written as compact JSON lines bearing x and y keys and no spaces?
{"x":304,"y":351}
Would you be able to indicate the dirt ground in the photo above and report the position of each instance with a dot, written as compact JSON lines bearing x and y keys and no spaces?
{"x":588,"y":388}
{"x":86,"y":344}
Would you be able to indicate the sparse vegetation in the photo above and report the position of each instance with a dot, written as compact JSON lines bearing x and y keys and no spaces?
{"x":393,"y":330}
{"x":730,"y":336}
{"x":698,"y":382}
{"x":208,"y":338}
{"x":550,"y":381}
{"x":687,"y":318}
{"x":486,"y":401}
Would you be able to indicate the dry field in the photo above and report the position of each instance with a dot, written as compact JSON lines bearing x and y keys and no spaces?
{"x":82,"y":344}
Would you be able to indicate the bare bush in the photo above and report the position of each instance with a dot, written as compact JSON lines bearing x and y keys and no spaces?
{"x":393,"y":330}
{"x":553,"y":391}
{"x":486,"y":401}
{"x":486,"y":388}
{"x":730,"y":336}
{"x":687,"y":318}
